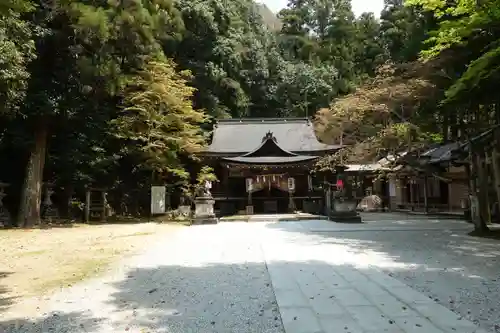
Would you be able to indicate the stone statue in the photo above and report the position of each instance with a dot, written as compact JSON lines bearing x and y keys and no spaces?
{"x":208,"y":186}
{"x":50,"y":213}
{"x":204,"y":206}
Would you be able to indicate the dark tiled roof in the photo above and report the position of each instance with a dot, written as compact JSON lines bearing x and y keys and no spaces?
{"x":269,"y":147}
{"x":440,"y":153}
{"x":240,"y":136}
{"x":270,"y":159}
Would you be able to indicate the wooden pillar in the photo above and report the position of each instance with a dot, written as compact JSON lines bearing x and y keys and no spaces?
{"x":450,"y":189}
{"x":87,"y":205}
{"x":309,"y":184}
{"x":426,"y":191}
{"x":484,"y":202}
{"x":496,"y":175}
{"x":417,"y":190}
{"x":474,"y":200}
{"x":225,"y":181}
{"x":328,"y":201}
{"x":104,"y":205}
{"x":411,"y":193}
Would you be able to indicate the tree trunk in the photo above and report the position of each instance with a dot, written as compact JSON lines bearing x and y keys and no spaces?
{"x":473,"y":200}
{"x":483,"y":199}
{"x":496,"y":174}
{"x":31,"y":196}
{"x":426,"y":194}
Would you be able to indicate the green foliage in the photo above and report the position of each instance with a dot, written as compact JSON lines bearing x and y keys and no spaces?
{"x":119,"y":86}
{"x":10,"y":7}
{"x":327,"y":31}
{"x":16,"y":52}
{"x":158,"y":121}
{"x":206,"y":174}
{"x":463,"y":25}
{"x":403,"y":30}
{"x":383,"y":116}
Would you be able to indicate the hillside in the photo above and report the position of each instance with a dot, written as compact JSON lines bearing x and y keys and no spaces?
{"x":270,"y":19}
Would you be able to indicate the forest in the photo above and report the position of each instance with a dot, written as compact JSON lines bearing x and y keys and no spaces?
{"x":121,"y":94}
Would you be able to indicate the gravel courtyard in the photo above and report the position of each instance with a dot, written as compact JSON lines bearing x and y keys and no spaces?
{"x":231,"y":277}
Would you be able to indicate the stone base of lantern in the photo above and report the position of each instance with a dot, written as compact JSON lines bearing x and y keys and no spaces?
{"x":345,"y":217}
{"x":345,"y":212}
{"x":204,"y":211}
{"x":50,"y":213}
{"x":5,"y":219}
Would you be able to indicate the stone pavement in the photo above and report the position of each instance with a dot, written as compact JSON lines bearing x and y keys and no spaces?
{"x":324,"y":288}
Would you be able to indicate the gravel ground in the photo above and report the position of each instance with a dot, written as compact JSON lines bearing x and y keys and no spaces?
{"x":205,"y":280}
{"x":458,"y":271}
{"x":214,"y":278}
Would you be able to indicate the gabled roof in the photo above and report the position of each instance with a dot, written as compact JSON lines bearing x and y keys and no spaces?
{"x":383,"y":164}
{"x":269,"y":152}
{"x":241,"y":136}
{"x":440,"y":153}
{"x":269,"y":147}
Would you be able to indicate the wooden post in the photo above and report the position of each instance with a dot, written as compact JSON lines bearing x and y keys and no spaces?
{"x":417,"y":190}
{"x":411,"y":194}
{"x":483,"y":195}
{"x":473,"y":200}
{"x":426,"y":204}
{"x":496,"y":174}
{"x":104,"y":205}
{"x":87,"y":205}
{"x":225,"y":180}
{"x":328,"y":202}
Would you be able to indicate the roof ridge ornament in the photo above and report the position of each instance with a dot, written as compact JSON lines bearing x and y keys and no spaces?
{"x":269,"y":136}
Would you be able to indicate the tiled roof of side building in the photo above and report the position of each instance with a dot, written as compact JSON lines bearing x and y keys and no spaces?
{"x":241,"y":136}
{"x":441,"y":152}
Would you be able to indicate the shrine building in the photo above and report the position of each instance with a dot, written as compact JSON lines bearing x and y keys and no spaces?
{"x":265,"y":165}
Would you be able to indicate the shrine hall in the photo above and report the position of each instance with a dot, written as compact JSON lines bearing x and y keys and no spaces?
{"x":265,"y":165}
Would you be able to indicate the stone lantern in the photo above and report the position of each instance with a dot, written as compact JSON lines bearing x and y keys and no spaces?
{"x":204,"y":206}
{"x":5,"y":219}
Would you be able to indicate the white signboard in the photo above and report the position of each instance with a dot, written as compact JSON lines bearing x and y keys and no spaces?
{"x":291,"y":184}
{"x":158,"y":199}
{"x":249,"y":184}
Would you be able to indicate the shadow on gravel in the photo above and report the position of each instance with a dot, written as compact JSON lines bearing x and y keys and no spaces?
{"x":213,"y":298}
{"x":234,"y":296}
{"x":54,"y":322}
{"x":5,"y":301}
{"x":490,"y":234}
{"x":458,"y":271}
{"x":210,"y":298}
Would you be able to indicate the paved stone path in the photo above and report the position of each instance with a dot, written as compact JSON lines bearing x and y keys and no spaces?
{"x":327,"y":288}
{"x":214,"y":279}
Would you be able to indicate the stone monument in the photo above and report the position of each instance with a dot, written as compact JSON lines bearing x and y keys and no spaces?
{"x":5,"y":219}
{"x":50,"y":213}
{"x":204,"y":206}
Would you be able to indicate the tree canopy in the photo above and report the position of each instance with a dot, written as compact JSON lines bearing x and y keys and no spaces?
{"x":122,"y":93}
